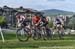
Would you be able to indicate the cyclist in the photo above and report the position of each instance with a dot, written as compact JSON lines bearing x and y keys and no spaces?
{"x":36,"y":19}
{"x":40,"y":21}
{"x":45,"y":21}
{"x":21,"y":20}
{"x":58,"y":22}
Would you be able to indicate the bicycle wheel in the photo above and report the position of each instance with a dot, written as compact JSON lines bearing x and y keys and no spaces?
{"x":60,"y":34}
{"x":49,"y":34}
{"x":36,"y":34}
{"x":22,"y":35}
{"x":44,"y":33}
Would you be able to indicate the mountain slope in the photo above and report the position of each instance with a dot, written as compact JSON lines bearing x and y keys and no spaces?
{"x":56,"y":12}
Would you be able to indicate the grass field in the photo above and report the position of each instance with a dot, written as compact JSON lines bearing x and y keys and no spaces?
{"x":11,"y":42}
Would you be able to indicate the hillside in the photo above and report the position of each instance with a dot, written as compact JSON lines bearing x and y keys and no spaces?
{"x":56,"y":12}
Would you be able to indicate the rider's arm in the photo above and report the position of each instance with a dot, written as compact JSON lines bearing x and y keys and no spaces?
{"x":47,"y":19}
{"x":17,"y":19}
{"x":62,"y":22}
{"x":39,"y":21}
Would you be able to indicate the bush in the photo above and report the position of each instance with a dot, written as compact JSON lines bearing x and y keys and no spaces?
{"x":50,"y":24}
{"x":2,"y":21}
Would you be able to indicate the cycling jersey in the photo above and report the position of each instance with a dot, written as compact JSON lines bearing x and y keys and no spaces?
{"x":36,"y":19}
{"x":44,"y":19}
{"x":58,"y":21}
{"x":21,"y":20}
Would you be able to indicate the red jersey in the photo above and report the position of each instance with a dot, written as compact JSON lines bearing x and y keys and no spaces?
{"x":36,"y":19}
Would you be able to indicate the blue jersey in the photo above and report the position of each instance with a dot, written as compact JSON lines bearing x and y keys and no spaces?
{"x":57,"y":20}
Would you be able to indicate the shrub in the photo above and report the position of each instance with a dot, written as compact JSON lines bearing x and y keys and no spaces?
{"x":2,"y":20}
{"x":50,"y":24}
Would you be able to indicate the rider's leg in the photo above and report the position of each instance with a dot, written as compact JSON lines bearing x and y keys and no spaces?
{"x":62,"y":30}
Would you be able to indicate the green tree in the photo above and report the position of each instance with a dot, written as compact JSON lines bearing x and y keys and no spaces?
{"x":72,"y":22}
{"x":2,"y":20}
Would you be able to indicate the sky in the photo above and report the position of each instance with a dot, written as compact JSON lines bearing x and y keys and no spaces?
{"x":66,"y":5}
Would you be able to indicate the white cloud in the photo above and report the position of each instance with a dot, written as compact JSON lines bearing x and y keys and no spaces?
{"x":41,"y":4}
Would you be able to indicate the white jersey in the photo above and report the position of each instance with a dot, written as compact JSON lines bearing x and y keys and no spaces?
{"x":21,"y":18}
